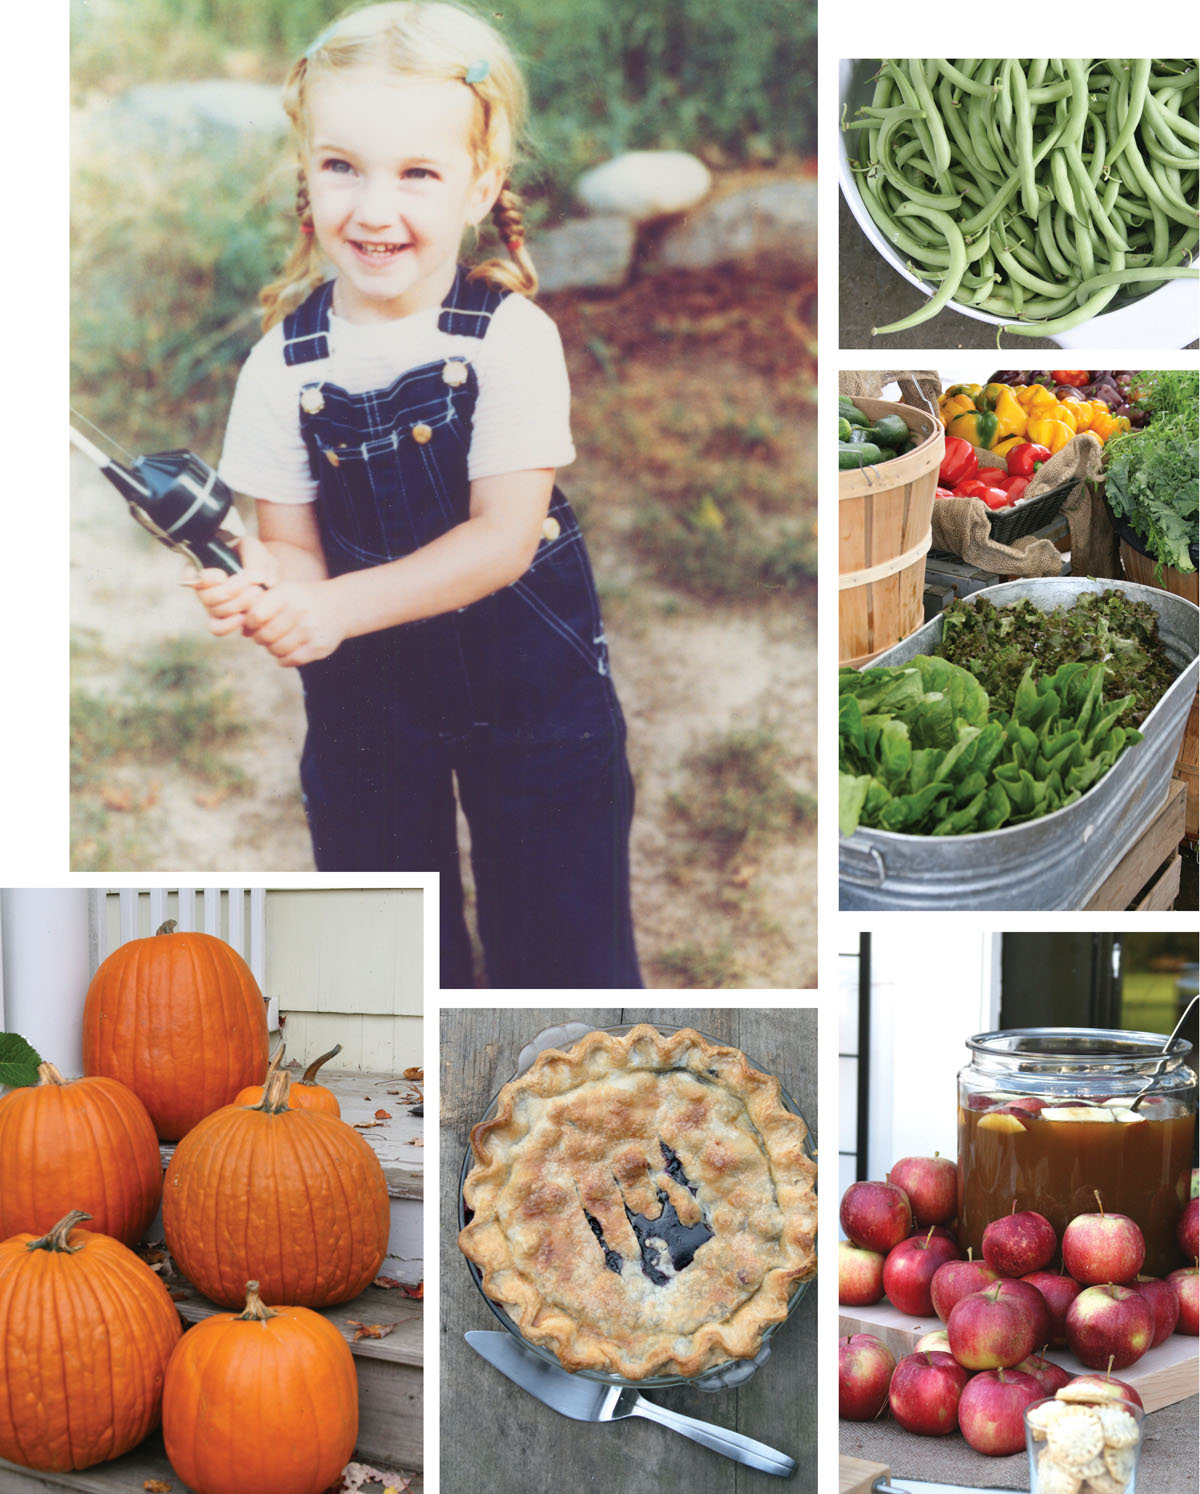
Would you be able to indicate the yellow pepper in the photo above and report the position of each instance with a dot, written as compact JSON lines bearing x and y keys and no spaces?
{"x":1103,"y":423}
{"x":977,"y":426}
{"x":1048,"y":432}
{"x":1085,"y":413}
{"x":1012,"y":418}
{"x":1006,"y":444}
{"x":1064,"y":410}
{"x":955,"y":389}
{"x":1034,"y":396}
{"x":952,"y":405}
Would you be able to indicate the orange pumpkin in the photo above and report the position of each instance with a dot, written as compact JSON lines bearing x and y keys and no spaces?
{"x":86,"y":1330}
{"x":291,"y":1198}
{"x":85,"y":1142}
{"x":180,"y":1019}
{"x":253,"y":1093}
{"x":305,"y":1093}
{"x":262,"y":1399}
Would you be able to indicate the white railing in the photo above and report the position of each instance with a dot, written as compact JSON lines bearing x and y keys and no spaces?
{"x":235,"y":914}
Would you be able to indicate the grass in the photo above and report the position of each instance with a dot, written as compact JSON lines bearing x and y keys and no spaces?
{"x":738,"y":795}
{"x":695,"y":966}
{"x":169,"y":709}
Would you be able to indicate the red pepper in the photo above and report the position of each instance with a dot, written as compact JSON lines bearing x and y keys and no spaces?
{"x":1013,"y":485}
{"x":943,"y":493}
{"x":994,"y":497}
{"x":1076,"y":376}
{"x":959,"y":463}
{"x":1024,"y":460}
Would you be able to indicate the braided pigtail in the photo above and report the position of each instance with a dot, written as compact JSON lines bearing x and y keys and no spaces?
{"x":304,"y":269}
{"x":516,"y":273}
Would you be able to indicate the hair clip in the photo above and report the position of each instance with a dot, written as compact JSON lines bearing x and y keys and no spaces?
{"x":320,"y":41}
{"x":478,"y":71}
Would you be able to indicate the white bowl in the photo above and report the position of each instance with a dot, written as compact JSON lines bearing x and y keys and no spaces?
{"x":1168,"y":317}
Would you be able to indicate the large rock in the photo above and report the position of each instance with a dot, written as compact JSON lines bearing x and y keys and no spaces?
{"x":595,"y":252}
{"x":645,"y":184}
{"x":188,"y":115}
{"x":772,"y":224}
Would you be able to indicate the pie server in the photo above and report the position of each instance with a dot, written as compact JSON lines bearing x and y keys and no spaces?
{"x":590,"y":1400}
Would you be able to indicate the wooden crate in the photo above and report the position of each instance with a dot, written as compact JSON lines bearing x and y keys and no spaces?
{"x":1147,"y":877}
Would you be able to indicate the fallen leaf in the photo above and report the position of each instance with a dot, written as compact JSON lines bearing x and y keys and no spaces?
{"x":413,"y":1074}
{"x":116,"y":798}
{"x":366,"y":1125}
{"x":417,"y":1141}
{"x":370,"y":1330}
{"x":383,"y":1115}
{"x":388,"y":1283}
{"x":418,"y":1291}
{"x":743,"y":874}
{"x":212,"y":800}
{"x":157,"y":1486}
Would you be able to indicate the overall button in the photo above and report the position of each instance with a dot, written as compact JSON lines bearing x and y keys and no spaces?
{"x":422,"y":434}
{"x":454,"y":372}
{"x":334,"y":459}
{"x":551,"y":528}
{"x":312,"y":401}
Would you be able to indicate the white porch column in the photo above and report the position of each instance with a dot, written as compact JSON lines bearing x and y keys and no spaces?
{"x":44,"y":938}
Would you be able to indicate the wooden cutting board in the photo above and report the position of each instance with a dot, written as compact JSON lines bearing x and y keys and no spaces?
{"x":1165,"y":1375}
{"x":858,"y":1477}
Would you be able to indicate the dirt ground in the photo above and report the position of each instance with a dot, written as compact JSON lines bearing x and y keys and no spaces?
{"x":689,"y":669}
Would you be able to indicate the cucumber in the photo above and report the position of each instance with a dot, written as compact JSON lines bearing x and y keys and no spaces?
{"x":889,"y":430}
{"x":848,"y":410}
{"x":844,"y":429}
{"x":860,"y":454}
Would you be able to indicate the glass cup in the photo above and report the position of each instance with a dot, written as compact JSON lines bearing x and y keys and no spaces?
{"x":1078,"y":1448}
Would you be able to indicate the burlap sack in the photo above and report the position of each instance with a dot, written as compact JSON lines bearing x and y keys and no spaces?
{"x":962,"y":526}
{"x":919,"y":388}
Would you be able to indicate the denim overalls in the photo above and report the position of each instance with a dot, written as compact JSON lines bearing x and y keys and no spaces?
{"x":511,"y":695}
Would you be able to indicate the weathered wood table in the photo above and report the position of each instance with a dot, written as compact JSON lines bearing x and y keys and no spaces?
{"x":496,"y":1437}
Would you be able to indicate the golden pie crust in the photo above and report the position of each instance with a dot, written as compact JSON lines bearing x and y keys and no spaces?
{"x":592,"y":1144}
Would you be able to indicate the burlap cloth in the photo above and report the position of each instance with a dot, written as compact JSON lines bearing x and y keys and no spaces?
{"x":1168,"y":1462}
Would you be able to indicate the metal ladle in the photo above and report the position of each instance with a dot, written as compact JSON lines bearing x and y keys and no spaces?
{"x":1166,"y":1053}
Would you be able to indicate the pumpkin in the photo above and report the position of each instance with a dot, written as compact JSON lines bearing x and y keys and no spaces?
{"x":305,"y":1093}
{"x":293,"y":1199}
{"x":84,"y":1142}
{"x":178,"y":1018}
{"x":265,"y":1399}
{"x":86,"y":1330}
{"x":253,"y":1093}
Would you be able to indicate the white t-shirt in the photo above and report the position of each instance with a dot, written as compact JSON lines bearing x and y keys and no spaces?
{"x":522,"y":414}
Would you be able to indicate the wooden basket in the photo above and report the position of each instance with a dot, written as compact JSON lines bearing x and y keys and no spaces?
{"x":1141,"y":568}
{"x":884,"y":533}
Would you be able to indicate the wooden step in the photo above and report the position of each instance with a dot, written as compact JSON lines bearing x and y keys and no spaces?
{"x":129,"y":1475}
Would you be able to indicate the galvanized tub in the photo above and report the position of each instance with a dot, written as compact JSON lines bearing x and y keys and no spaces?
{"x":1060,"y":860}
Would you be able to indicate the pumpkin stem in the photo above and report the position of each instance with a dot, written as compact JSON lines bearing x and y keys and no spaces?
{"x":310,"y":1072}
{"x":276,"y":1060}
{"x":275,"y":1093}
{"x":257,"y":1310}
{"x":56,"y":1240}
{"x":166,"y":928}
{"x":48,"y":1074}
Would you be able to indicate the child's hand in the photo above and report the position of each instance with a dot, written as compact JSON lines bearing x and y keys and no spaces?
{"x":226,"y":598}
{"x":296,"y":621}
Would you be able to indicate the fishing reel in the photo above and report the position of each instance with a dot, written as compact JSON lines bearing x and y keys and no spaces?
{"x":180,"y":500}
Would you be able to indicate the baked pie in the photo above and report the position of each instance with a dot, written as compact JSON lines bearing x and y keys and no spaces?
{"x":643,"y":1204}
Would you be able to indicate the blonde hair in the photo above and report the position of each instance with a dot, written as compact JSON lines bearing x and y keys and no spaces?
{"x":432,"y":41}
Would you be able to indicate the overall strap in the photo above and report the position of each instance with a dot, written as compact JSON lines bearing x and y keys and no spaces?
{"x":468,"y":310}
{"x":306,"y":330}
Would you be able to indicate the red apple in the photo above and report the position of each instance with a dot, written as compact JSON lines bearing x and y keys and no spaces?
{"x":1034,"y":1303}
{"x":876,"y":1216}
{"x":1028,"y":1104}
{"x":909,"y":1270}
{"x":956,"y":1280}
{"x":1105,"y":1389}
{"x":860,"y":1275}
{"x":1050,"y":1376}
{"x":1188,"y":1233}
{"x":924,"y":1393}
{"x":1018,"y":1243}
{"x":1184,"y":1282}
{"x":1109,"y":1325}
{"x":1099,"y":1248}
{"x":932,"y":1187}
{"x":988,"y":1331}
{"x":939,"y":1339}
{"x":991,"y":1410}
{"x":865,"y":1365}
{"x":1058,"y":1292}
{"x":1164,"y":1305}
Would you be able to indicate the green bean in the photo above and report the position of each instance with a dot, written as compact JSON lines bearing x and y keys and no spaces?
{"x":1170,"y":119}
{"x":941,"y":156}
{"x":1062,"y":183}
{"x":1023,"y":126}
{"x":954,"y":273}
{"x":1138,"y":86}
{"x":962,"y":80}
{"x":1126,"y":277}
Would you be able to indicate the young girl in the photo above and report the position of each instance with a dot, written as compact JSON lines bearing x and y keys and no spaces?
{"x":399,"y":426}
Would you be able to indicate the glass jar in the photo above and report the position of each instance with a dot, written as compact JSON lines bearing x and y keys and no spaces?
{"x":1047,"y":1119}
